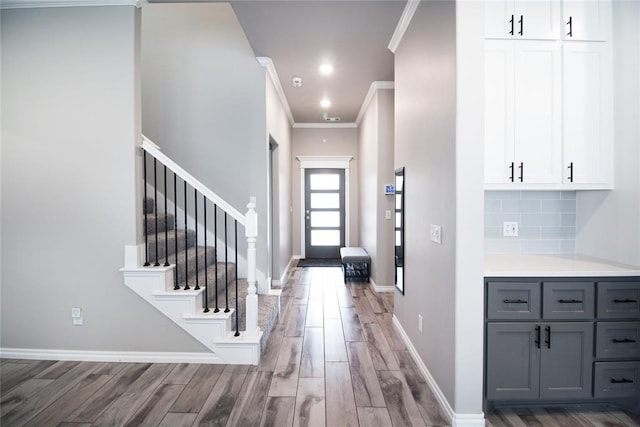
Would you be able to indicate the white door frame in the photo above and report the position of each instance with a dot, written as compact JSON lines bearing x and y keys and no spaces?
{"x":324,"y":162}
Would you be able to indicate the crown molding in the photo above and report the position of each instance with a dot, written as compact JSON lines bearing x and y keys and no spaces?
{"x":325,"y":126}
{"x":30,"y":4}
{"x":375,"y":86}
{"x":403,"y":24}
{"x":267,"y":63}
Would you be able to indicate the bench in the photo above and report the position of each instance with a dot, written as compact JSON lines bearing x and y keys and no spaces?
{"x":355,"y":263}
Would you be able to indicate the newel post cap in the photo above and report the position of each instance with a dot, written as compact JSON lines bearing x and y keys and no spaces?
{"x":251,"y":219}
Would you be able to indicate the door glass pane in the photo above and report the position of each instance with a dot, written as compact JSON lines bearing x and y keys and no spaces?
{"x":325,"y":219}
{"x":398,"y":201}
{"x":325,"y":201}
{"x":398,"y":220}
{"x":325,"y":237}
{"x":398,"y":238}
{"x":325,"y":182}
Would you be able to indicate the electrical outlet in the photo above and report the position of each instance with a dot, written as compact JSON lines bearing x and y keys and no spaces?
{"x":420,"y":323}
{"x":436,"y":234}
{"x":510,"y":229}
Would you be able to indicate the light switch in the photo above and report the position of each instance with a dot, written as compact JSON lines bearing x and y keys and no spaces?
{"x":387,"y":214}
{"x":76,"y":315}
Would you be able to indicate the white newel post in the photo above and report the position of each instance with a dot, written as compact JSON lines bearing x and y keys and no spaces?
{"x":251,"y":232}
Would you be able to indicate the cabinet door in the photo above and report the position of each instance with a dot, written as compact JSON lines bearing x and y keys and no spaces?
{"x":513,"y":361}
{"x":522,"y":112}
{"x":539,"y":19}
{"x":537,"y":112}
{"x":587,"y":114}
{"x":498,"y":17}
{"x":586,"y":20}
{"x":566,"y":359}
{"x":499,"y":109}
{"x":522,"y":19}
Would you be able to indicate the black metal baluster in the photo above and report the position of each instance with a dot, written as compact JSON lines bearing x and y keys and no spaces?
{"x":146,"y":214}
{"x":215,"y":250}
{"x":175,"y":231}
{"x":195,"y":207}
{"x":236,"y":261}
{"x":186,"y":254}
{"x":155,"y":205}
{"x":226,"y":266}
{"x":166,"y":226}
{"x":206,"y":267}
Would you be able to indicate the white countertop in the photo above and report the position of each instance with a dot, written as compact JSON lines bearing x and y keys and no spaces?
{"x":527,"y":265}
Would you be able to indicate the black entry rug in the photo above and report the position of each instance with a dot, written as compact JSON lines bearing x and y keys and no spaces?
{"x":310,"y":262}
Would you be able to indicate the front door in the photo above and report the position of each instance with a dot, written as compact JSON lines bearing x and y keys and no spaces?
{"x":324,"y":213}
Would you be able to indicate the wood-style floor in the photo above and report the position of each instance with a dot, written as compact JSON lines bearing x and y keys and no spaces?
{"x":332,"y":360}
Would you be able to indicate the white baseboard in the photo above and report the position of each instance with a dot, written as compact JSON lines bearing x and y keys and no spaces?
{"x":456,"y":420}
{"x":109,"y":356}
{"x":379,"y":288}
{"x":468,"y":420}
{"x":294,"y":259}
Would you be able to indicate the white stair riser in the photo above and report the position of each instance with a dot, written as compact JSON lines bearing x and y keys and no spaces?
{"x":184,"y":308}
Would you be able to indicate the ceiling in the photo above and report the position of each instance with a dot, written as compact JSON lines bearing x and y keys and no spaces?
{"x":300,"y":35}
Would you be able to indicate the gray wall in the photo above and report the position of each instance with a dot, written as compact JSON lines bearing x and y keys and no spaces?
{"x":337,"y":142}
{"x":279,"y":129}
{"x":608,"y":224}
{"x":425,"y":144}
{"x":204,"y":101}
{"x":375,"y":149}
{"x":70,"y":105}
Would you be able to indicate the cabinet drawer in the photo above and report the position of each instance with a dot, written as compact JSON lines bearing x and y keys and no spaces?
{"x":513,"y":300}
{"x":619,"y":300}
{"x":568,"y":300}
{"x":618,"y":340}
{"x":616,"y":379}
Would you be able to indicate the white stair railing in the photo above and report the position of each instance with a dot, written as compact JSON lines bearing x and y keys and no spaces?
{"x":249,"y":220}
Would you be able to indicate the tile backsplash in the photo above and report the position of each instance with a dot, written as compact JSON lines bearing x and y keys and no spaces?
{"x":546,"y":220}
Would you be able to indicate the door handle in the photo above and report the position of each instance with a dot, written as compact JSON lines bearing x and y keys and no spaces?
{"x":537,"y":340}
{"x":521,"y":22}
{"x":570,"y":24}
{"x":521,"y":167}
{"x":570,"y":167}
{"x":511,"y":22}
{"x":547,"y":341}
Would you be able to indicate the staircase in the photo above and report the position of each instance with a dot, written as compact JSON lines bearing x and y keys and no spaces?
{"x":197,"y":288}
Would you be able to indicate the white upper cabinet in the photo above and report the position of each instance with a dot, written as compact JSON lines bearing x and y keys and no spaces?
{"x":522,"y":19}
{"x":586,"y":20}
{"x":548,"y":102}
{"x":587,"y":115}
{"x":522,"y":113}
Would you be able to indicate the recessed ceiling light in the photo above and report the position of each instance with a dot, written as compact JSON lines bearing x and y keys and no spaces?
{"x":326,"y":69}
{"x":325,"y":103}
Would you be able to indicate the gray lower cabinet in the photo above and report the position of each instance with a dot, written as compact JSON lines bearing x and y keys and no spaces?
{"x":562,"y":340}
{"x":530,"y":360}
